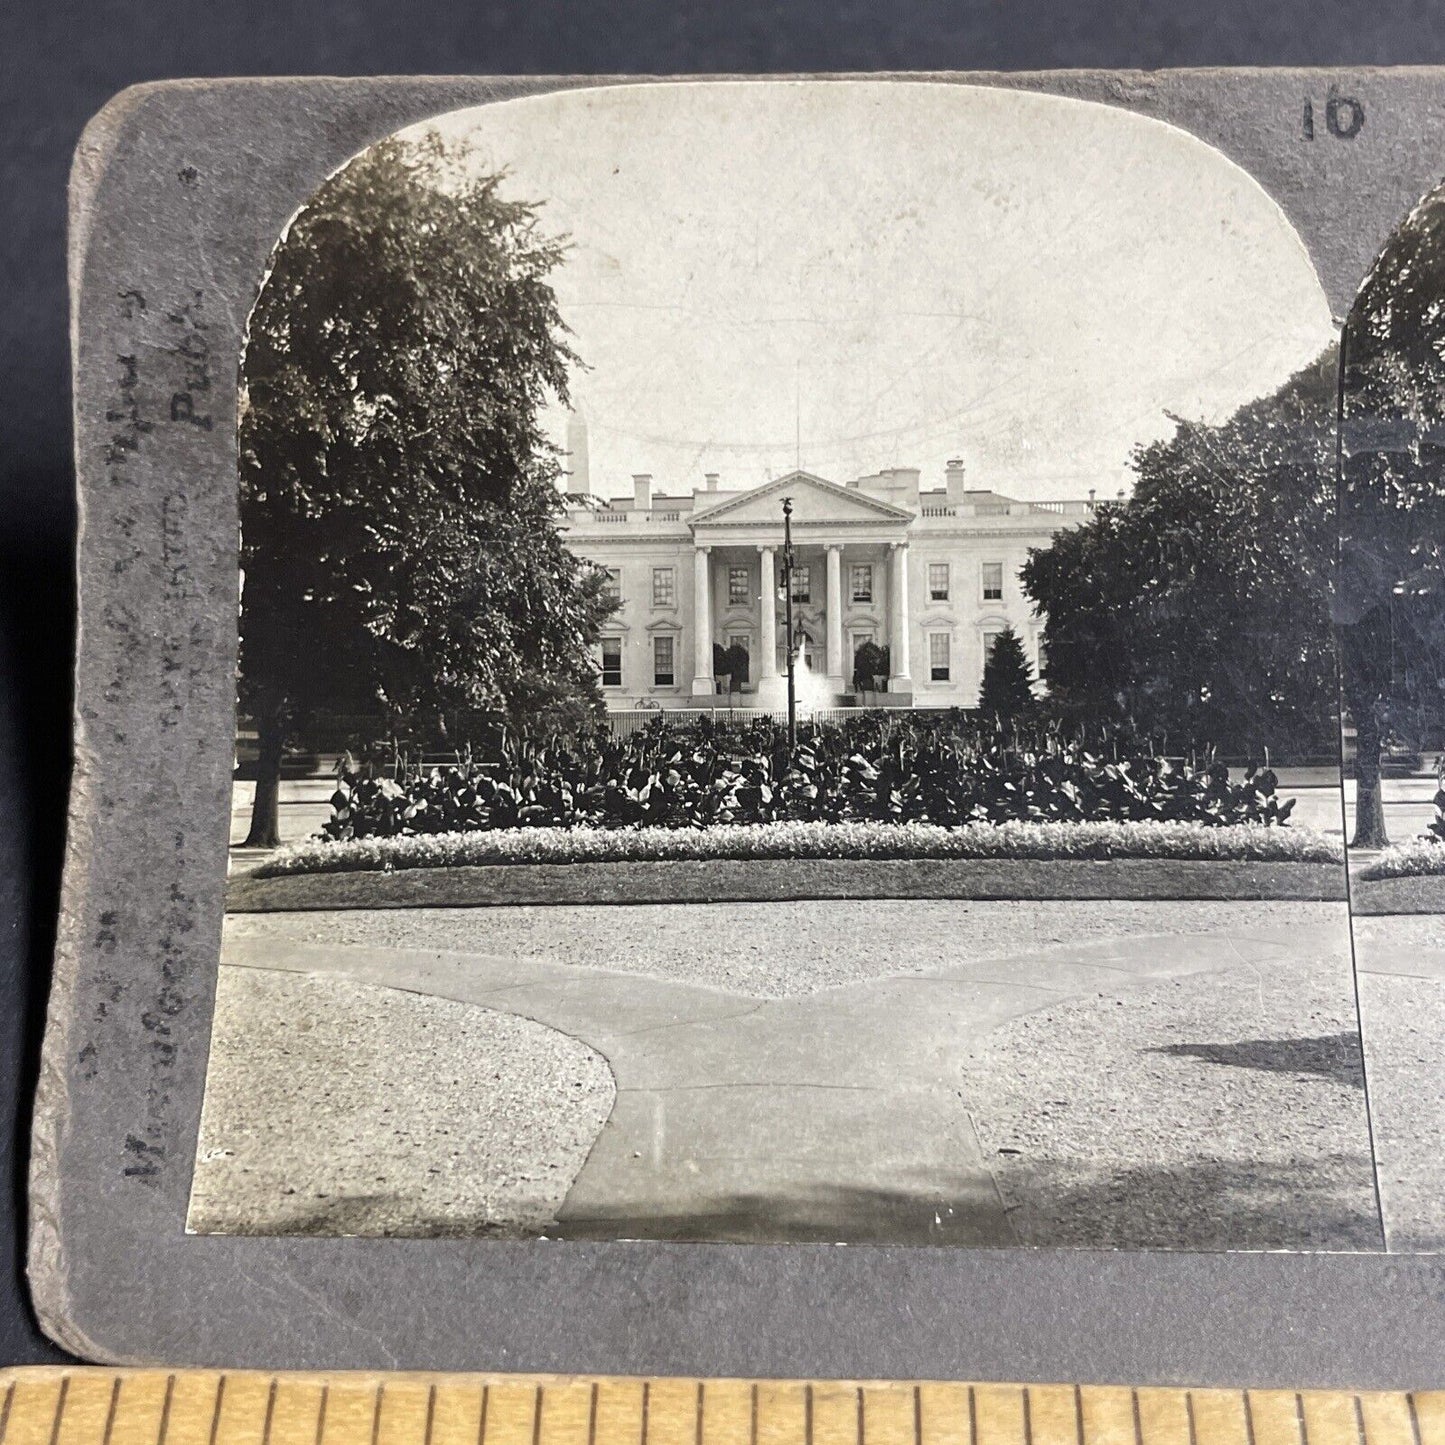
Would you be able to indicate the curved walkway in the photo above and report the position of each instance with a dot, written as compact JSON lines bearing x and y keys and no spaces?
{"x":838,"y":1115}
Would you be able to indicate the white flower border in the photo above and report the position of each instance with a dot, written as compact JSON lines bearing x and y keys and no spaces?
{"x":1422,"y":858}
{"x":1240,"y":842}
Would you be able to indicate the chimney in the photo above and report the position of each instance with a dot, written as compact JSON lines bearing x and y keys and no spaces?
{"x":642,"y":491}
{"x":710,"y":481}
{"x":1091,"y":494}
{"x":953,"y":470}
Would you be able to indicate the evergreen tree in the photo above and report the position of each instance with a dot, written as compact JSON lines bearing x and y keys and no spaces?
{"x":399,"y":499}
{"x":1007,"y":692}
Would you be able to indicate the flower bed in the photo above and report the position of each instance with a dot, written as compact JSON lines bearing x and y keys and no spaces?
{"x":869,"y":769}
{"x":869,"y":840}
{"x":1422,"y":858}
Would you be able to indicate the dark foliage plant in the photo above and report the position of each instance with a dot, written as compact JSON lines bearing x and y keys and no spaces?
{"x":876,"y":767}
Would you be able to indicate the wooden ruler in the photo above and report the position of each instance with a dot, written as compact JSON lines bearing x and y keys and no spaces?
{"x":85,"y":1406}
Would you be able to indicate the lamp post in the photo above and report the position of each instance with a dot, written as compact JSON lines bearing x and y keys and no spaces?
{"x":788,"y":621}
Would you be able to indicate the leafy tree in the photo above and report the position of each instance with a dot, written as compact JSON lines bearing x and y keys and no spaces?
{"x":399,"y":500}
{"x":1007,"y":691}
{"x":1199,"y":609}
{"x":1391,"y":605}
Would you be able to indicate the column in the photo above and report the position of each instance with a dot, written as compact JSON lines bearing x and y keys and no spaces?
{"x":835,"y":618}
{"x":702,"y":679}
{"x":899,"y":680}
{"x":771,"y":690}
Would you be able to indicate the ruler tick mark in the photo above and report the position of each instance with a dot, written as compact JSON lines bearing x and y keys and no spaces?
{"x":60,"y":1407}
{"x":1249,"y":1418}
{"x":166,"y":1413}
{"x":1079,"y":1415}
{"x":321,"y":1412}
{"x":431,"y":1412}
{"x":972,"y":1417}
{"x":1360,"y":1422}
{"x":270,"y":1410}
{"x":646,"y":1401}
{"x":1138,"y":1424}
{"x":216,"y":1413}
{"x":753,"y":1424}
{"x":1299,"y":1414}
{"x":482,"y":1421}
{"x":537,"y":1417}
{"x":376,"y":1413}
{"x":110,"y":1412}
{"x":1029,"y":1418}
{"x":807,"y":1415}
{"x":1409,"y":1401}
{"x":917,"y":1415}
{"x":592,"y":1416}
{"x":10,"y":1396}
{"x":697,"y":1427}
{"x":1189,"y":1414}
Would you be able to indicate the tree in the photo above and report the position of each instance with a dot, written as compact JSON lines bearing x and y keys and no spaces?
{"x":399,"y":500}
{"x":1391,"y":602}
{"x":1199,"y":609}
{"x":1007,"y":692}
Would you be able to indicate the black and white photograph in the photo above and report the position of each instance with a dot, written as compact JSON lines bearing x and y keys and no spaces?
{"x":788,"y":686}
{"x":1391,"y":612}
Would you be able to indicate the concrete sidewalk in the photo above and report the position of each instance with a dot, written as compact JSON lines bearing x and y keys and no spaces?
{"x":836,"y":1115}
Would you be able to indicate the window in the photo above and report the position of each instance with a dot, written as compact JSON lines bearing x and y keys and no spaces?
{"x":989,"y":638}
{"x":611,"y":662}
{"x":938,"y":656}
{"x":664,"y":586}
{"x":861,"y":577}
{"x":801,"y":589}
{"x":740,"y":586}
{"x":938,"y":581}
{"x":612,"y":587}
{"x":662,"y":673}
{"x":993,"y":581}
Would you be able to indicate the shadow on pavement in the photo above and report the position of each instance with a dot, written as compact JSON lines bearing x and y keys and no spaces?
{"x":1335,"y":1057}
{"x":1327,"y":1203}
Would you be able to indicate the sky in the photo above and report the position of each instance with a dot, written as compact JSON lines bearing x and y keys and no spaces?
{"x":853,"y":275}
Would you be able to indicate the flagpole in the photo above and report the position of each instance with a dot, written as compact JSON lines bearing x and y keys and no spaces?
{"x":788,"y":620}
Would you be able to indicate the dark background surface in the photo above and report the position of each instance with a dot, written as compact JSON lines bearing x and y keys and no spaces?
{"x":59,"y":62}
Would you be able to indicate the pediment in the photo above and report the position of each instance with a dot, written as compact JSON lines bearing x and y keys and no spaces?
{"x":815,"y":500}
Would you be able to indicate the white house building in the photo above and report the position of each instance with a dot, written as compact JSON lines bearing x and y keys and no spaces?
{"x":930,"y":575}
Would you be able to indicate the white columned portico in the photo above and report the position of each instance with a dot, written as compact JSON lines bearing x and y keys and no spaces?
{"x":835,"y":616}
{"x":899,"y":679}
{"x":702,"y":678}
{"x":771,"y":692}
